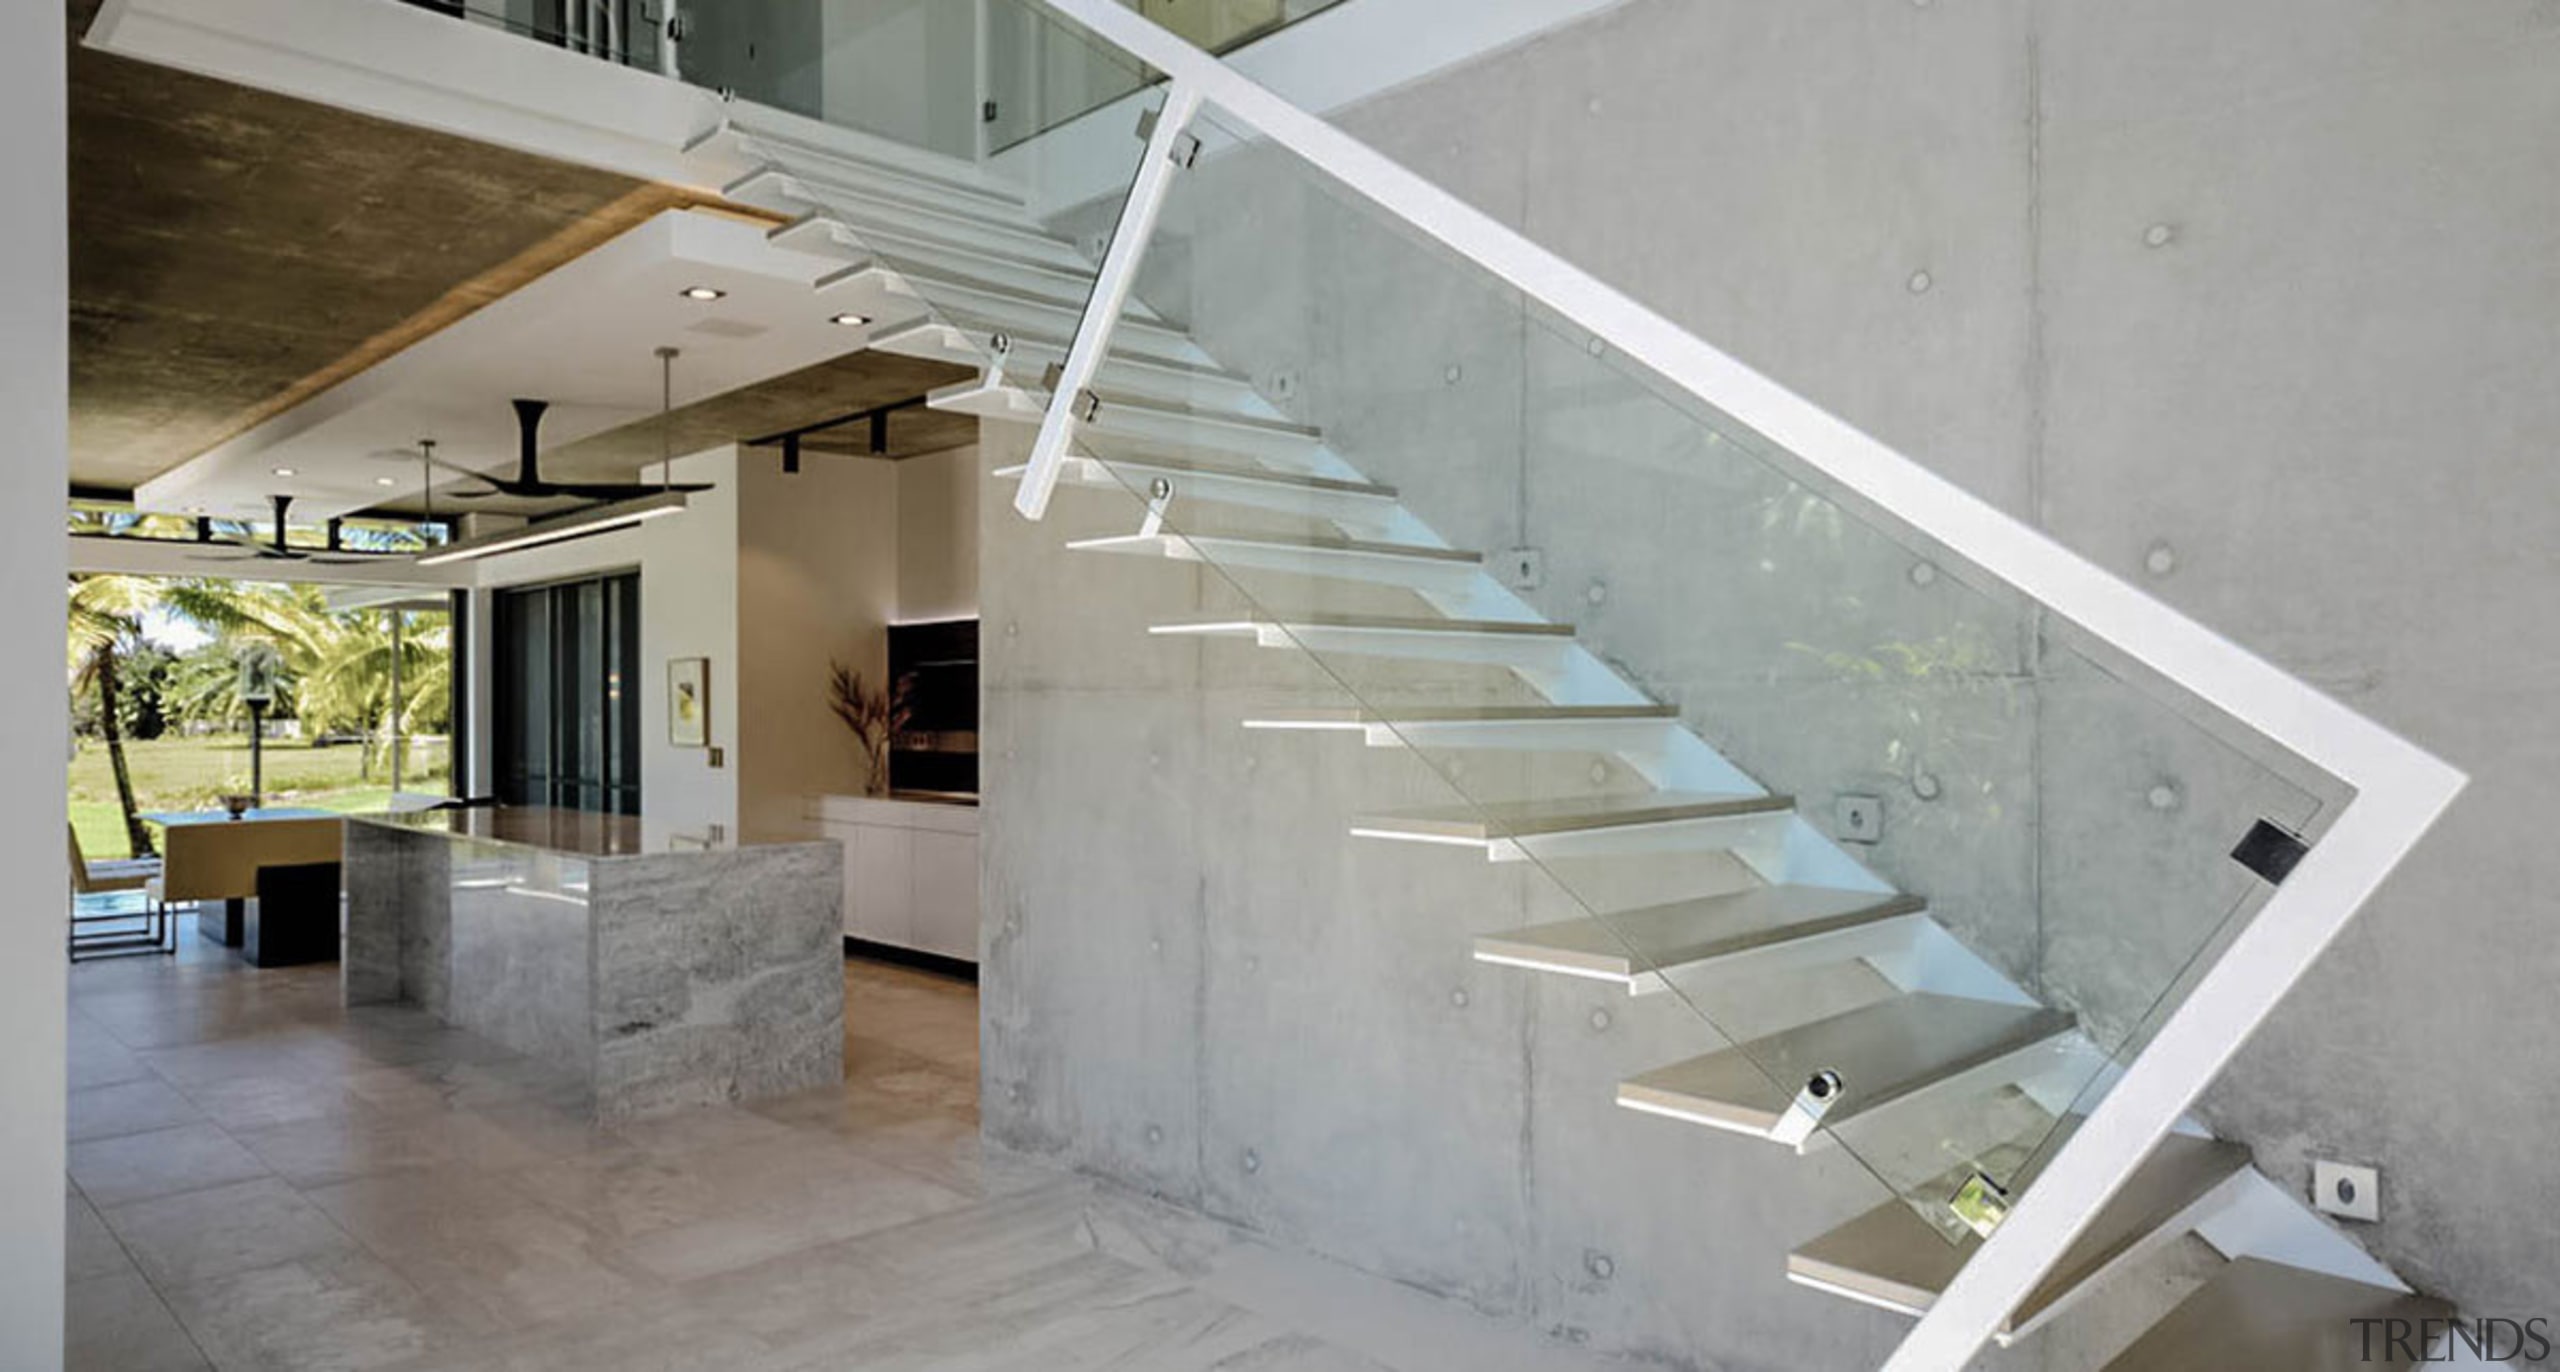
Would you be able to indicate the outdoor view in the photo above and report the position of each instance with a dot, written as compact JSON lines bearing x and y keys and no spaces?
{"x":163,"y":674}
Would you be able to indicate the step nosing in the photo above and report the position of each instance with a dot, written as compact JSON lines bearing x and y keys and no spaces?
{"x":1621,"y":945}
{"x":1258,"y":475}
{"x":1459,"y":628}
{"x":1802,"y":1048}
{"x":1405,"y":550}
{"x":1490,"y":823}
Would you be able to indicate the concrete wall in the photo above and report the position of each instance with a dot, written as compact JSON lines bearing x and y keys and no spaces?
{"x":34,"y":418}
{"x":2263,"y":290}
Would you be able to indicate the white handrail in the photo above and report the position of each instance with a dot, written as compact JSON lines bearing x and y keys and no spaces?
{"x":2400,"y":788}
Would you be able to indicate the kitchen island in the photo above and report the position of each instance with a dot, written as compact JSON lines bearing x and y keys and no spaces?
{"x":664,"y":970}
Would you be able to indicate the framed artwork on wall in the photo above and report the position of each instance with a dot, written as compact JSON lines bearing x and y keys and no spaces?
{"x":689,"y":702}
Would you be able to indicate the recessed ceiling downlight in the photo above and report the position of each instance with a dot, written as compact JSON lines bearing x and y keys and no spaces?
{"x":282,"y":471}
{"x":851,"y":321}
{"x":385,"y":481}
{"x":703,"y":293}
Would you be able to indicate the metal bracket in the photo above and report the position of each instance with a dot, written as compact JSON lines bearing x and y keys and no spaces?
{"x":1159,"y":499}
{"x":1821,"y":1091}
{"x":2271,"y":851}
{"x":1185,"y":149}
{"x":1049,"y":379}
{"x":1088,"y":405}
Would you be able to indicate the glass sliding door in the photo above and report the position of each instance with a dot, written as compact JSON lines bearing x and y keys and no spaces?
{"x":566,"y":694}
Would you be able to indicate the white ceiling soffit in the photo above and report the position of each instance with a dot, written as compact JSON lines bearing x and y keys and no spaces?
{"x":466,"y":77}
{"x":413,"y":65}
{"x":582,"y":337}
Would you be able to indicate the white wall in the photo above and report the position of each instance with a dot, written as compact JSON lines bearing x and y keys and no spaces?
{"x":34,"y":420}
{"x":938,"y":535}
{"x":771,"y":577}
{"x":689,"y":608}
{"x":817,"y":583}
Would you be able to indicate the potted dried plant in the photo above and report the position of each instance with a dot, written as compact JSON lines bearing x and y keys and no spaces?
{"x":876,"y":715}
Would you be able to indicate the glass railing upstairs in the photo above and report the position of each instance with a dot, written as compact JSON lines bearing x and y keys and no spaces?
{"x":1951,"y":851}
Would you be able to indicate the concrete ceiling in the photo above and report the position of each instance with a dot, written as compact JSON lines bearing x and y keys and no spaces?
{"x":237,"y":253}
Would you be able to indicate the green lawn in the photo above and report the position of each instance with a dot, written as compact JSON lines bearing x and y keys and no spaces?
{"x":193,"y":773}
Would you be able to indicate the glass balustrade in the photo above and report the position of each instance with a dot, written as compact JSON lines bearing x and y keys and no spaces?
{"x":1921,"y":863}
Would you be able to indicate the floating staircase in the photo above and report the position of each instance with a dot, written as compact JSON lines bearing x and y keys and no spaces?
{"x":1176,"y":432}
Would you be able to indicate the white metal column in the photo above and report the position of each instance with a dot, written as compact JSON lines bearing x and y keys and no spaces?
{"x":1111,"y":288}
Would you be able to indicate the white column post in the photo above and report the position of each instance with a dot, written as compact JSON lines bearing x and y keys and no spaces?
{"x":1111,"y":288}
{"x":35,"y":389}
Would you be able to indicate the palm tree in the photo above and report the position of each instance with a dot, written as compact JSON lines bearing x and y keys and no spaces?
{"x":339,"y":663}
{"x":106,"y":619}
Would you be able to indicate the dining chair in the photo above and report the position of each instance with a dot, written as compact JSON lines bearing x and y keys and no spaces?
{"x":116,"y":909}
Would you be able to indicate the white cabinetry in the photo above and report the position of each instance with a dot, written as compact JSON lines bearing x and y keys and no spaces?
{"x":910,"y":872}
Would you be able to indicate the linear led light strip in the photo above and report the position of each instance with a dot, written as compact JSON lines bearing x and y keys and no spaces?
{"x":622,"y":514}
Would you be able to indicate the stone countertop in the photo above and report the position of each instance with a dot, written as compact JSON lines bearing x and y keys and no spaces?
{"x":573,"y":833}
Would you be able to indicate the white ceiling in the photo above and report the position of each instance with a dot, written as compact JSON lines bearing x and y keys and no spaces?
{"x":582,"y":337}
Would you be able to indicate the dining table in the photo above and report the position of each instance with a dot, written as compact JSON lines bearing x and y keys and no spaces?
{"x":213,"y":856}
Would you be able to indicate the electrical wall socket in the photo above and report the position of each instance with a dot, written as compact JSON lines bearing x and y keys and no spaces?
{"x":2350,"y":1193}
{"x":1858,"y":819}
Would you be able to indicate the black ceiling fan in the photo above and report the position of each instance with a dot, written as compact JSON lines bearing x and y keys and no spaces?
{"x":277,"y":550}
{"x":528,"y":484}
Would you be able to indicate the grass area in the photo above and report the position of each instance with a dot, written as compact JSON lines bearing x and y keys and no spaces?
{"x":193,"y":773}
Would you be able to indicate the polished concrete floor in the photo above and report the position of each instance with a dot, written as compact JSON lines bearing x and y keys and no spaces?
{"x":261,"y":1178}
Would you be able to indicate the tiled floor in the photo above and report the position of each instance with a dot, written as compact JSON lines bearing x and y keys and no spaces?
{"x":261,"y":1178}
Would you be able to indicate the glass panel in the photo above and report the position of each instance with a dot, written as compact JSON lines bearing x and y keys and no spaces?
{"x":568,"y":721}
{"x":1036,"y":82}
{"x":1920,"y":863}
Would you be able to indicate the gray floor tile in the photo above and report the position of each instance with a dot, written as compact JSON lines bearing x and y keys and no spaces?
{"x":201,"y":1235}
{"x":91,"y":1249}
{"x":481,"y":1250}
{"x":164,"y":1162}
{"x":341,"y":1310}
{"x":130,"y":1107}
{"x":368,"y":1142}
{"x":460,"y":1210}
{"x":117,"y":1324}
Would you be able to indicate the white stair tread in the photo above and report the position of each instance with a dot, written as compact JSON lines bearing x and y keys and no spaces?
{"x":1401,"y":624}
{"x":758,"y":185}
{"x":1494,"y":820}
{"x":956,"y":293}
{"x":1312,"y":543}
{"x":2262,"y":1316}
{"x":964,"y":186}
{"x":1657,"y":938}
{"x":1882,"y":1053}
{"x":1466,"y":714}
{"x":1034,"y":340}
{"x":1221,"y":471}
{"x":1069,"y":277}
{"x":1891,"y":1257}
{"x":1169,"y":412}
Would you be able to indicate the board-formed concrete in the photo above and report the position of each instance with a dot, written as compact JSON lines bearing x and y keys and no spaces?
{"x":2247,"y":306}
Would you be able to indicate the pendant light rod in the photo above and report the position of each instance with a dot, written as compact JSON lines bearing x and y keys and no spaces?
{"x":666,"y":415}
